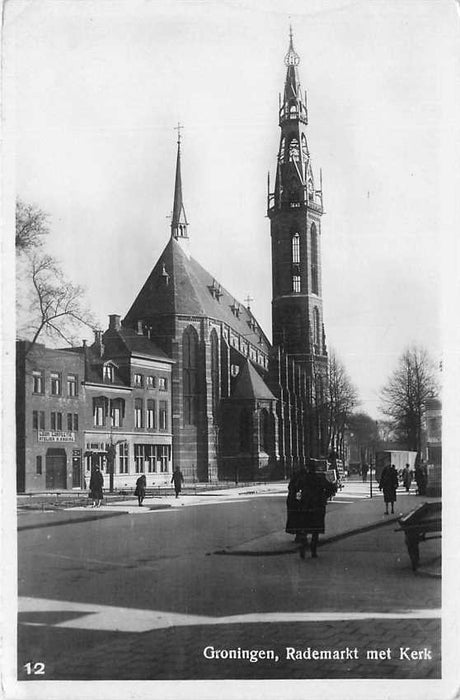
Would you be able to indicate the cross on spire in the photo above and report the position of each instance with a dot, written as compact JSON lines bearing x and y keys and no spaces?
{"x":248,"y":301}
{"x":178,"y":129}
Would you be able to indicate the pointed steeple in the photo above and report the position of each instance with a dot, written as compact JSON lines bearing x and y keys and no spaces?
{"x":293,"y":106}
{"x":179,"y":221}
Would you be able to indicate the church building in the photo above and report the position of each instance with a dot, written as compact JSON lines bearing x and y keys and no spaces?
{"x":242,"y":407}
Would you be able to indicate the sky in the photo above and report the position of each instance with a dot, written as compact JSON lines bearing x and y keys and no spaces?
{"x":95,"y":90}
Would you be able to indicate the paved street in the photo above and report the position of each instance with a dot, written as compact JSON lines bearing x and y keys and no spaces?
{"x":152,"y":594}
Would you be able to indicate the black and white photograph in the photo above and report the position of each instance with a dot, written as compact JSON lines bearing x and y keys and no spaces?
{"x":230,"y":349}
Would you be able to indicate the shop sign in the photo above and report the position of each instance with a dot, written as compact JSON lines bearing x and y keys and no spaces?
{"x":56,"y":436}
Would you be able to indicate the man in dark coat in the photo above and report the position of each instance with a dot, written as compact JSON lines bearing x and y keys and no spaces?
{"x":177,"y":479}
{"x":96,"y":485}
{"x":389,"y":483}
{"x":308,"y":493}
{"x":141,"y":485}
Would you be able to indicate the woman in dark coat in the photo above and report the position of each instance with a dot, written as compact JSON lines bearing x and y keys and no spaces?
{"x":141,"y":485}
{"x":96,"y":485}
{"x":389,"y":483}
{"x":308,"y":493}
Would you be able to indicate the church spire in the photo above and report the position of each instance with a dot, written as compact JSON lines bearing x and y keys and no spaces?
{"x":179,"y":221}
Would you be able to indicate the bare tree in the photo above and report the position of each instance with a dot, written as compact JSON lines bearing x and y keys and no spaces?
{"x":47,"y":303}
{"x":342,"y":397}
{"x":405,"y":394}
{"x":31,"y":226}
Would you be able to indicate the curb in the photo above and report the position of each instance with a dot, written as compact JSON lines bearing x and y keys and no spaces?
{"x":71,"y":521}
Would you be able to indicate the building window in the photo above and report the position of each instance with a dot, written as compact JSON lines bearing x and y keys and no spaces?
{"x":41,"y":420}
{"x":162,"y":384}
{"x":56,"y":386}
{"x":314,"y":259}
{"x":34,"y":420}
{"x":316,"y":330}
{"x":189,"y":357}
{"x":163,"y":415}
{"x":150,"y":382}
{"x":123,"y":457}
{"x":99,"y":411}
{"x":108,"y":373}
{"x":296,"y":248}
{"x":116,"y":413}
{"x":296,"y":283}
{"x":75,"y":421}
{"x":72,"y":385}
{"x":138,"y":380}
{"x":294,"y":153}
{"x":56,"y":421}
{"x":151,"y":414}
{"x":38,"y":385}
{"x":163,"y":456}
{"x":38,"y":464}
{"x":138,"y":413}
{"x":70,"y":421}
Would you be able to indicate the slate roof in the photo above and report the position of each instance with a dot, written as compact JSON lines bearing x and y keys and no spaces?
{"x":178,"y":284}
{"x":250,"y":385}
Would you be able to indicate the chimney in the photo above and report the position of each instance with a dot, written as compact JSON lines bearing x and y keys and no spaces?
{"x":114,"y":322}
{"x":98,"y":342}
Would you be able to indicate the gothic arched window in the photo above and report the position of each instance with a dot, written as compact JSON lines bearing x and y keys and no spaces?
{"x":296,"y":248}
{"x":316,"y":330}
{"x":190,"y":375}
{"x":214,"y":373}
{"x":314,"y":259}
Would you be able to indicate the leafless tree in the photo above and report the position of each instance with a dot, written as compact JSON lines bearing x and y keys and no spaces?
{"x":48,"y":304}
{"x":405,"y":394}
{"x":342,"y":397}
{"x":31,"y":226}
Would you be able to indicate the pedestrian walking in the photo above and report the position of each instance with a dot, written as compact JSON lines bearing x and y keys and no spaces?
{"x":388,"y":484}
{"x":177,"y":479}
{"x":364,"y":470}
{"x":308,"y":493}
{"x":406,"y":477}
{"x":141,"y":485}
{"x":421,"y":479}
{"x":96,"y":484}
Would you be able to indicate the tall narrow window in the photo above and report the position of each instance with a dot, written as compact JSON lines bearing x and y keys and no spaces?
{"x":163,"y":415}
{"x":72,"y":385}
{"x":38,"y":464}
{"x":316,"y":330}
{"x":151,"y":414}
{"x":34,"y":420}
{"x":138,"y":413}
{"x":139,"y":458}
{"x":38,"y":386}
{"x":116,"y":412}
{"x":190,"y":384}
{"x":314,"y":259}
{"x":56,"y":388}
{"x":214,"y":373}
{"x":294,"y":153}
{"x":99,"y":410}
{"x":296,"y":248}
{"x":296,"y":283}
{"x":123,"y":457}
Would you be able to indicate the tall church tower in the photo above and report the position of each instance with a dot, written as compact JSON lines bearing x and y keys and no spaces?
{"x":295,"y":208}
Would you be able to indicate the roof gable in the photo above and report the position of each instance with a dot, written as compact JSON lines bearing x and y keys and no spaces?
{"x":250,"y":385}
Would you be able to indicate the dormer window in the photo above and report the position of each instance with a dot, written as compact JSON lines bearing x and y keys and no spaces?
{"x":235,"y":307}
{"x":215,"y":289}
{"x":108,"y":373}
